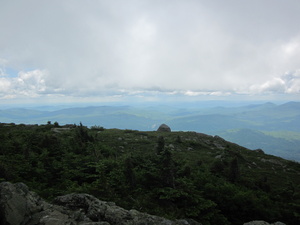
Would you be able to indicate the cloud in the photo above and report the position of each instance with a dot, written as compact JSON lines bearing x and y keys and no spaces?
{"x":88,"y":48}
{"x":292,"y":82}
{"x":207,"y":93}
{"x":288,"y":83}
{"x":29,"y":84}
{"x":274,"y":85}
{"x":5,"y":85}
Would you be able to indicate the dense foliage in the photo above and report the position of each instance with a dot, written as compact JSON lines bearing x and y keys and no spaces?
{"x":172,"y":174}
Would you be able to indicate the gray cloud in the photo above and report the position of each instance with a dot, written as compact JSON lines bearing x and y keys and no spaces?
{"x":110,"y":47}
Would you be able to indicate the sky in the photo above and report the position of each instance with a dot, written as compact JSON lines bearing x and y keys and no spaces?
{"x":148,"y":50}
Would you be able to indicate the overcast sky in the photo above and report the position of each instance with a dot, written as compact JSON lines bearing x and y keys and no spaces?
{"x":111,"y":50}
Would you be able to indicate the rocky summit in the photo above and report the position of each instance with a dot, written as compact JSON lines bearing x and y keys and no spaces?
{"x":19,"y":206}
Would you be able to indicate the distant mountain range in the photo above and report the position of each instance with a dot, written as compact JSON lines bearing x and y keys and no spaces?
{"x":273,"y":128}
{"x":281,"y":143}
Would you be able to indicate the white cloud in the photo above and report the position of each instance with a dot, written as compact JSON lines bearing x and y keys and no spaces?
{"x":32,"y":80}
{"x":274,"y":85}
{"x":30,"y":84}
{"x":207,"y":93}
{"x":293,"y":82}
{"x":191,"y":47}
{"x":4,"y":85}
{"x":288,"y":83}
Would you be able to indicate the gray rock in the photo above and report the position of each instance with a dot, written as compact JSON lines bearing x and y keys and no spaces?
{"x":19,"y":206}
{"x":59,"y":130}
{"x":257,"y":222}
{"x":17,"y":203}
{"x":94,"y":223}
{"x":260,"y":222}
{"x":218,"y":157}
{"x":98,"y":210}
{"x":164,"y":128}
{"x":171,"y":147}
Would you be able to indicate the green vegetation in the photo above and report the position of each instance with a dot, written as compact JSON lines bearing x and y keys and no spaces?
{"x":171,"y":174}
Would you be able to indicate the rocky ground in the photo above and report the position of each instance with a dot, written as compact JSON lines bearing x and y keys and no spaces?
{"x":20,"y":206}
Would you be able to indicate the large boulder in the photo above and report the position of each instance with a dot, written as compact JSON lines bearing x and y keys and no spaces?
{"x":17,"y":203}
{"x":164,"y":128}
{"x":19,"y":206}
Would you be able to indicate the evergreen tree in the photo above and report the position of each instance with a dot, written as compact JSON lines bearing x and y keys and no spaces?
{"x":160,"y":145}
{"x":167,"y":169}
{"x":129,"y":173}
{"x":234,"y":171}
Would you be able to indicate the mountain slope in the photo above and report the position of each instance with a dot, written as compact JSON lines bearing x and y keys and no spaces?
{"x":170,"y":174}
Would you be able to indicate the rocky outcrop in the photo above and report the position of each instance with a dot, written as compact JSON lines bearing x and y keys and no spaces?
{"x":259,"y":222}
{"x":19,"y":206}
{"x":164,"y":128}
